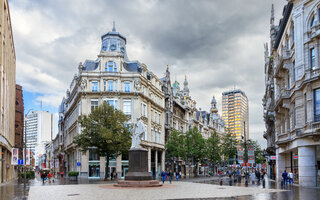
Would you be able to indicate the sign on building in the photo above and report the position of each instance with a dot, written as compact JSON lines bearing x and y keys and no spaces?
{"x":56,"y":163}
{"x":27,"y":156}
{"x":250,"y":154}
{"x":15,"y":156}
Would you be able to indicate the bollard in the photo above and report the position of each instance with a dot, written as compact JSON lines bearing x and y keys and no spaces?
{"x":220,"y":181}
{"x":263,"y":183}
{"x":246,"y":182}
{"x":230,"y":182}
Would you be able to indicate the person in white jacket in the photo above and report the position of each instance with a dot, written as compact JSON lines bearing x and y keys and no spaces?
{"x":290,"y":176}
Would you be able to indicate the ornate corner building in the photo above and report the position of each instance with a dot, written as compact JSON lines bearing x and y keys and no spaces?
{"x":126,"y":85}
{"x":292,"y":94}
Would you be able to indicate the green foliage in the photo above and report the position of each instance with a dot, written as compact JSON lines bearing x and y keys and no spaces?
{"x":105,"y":129}
{"x":258,"y":152}
{"x":195,"y":145}
{"x":73,"y":173}
{"x":175,"y":145}
{"x":29,"y":174}
{"x":229,"y":146}
{"x":213,"y":148}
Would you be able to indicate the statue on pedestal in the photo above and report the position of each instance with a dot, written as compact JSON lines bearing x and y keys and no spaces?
{"x":138,"y":131}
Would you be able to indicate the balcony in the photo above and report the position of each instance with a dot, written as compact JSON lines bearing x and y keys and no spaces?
{"x":314,"y":32}
{"x":282,"y":95}
{"x":315,"y":73}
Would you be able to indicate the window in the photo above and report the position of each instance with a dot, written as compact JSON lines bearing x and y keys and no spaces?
{"x":94,"y":86}
{"x":93,"y":155}
{"x":156,"y":137}
{"x":116,"y":83}
{"x":110,"y":67}
{"x":127,"y":107}
{"x":312,"y":22}
{"x":305,"y":109}
{"x":127,"y":86}
{"x":144,"y":109}
{"x":160,"y":137}
{"x":159,"y":118}
{"x":151,"y":115}
{"x":155,"y":116}
{"x":152,"y":139}
{"x":312,"y":58}
{"x":110,"y":86}
{"x":317,"y":105}
{"x":104,"y":85}
{"x":112,"y":102}
{"x":94,"y":104}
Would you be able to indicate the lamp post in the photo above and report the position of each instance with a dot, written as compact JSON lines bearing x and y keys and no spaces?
{"x":25,"y":150}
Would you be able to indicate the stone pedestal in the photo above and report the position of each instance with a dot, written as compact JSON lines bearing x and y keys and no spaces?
{"x":138,"y":175}
{"x":138,"y":165}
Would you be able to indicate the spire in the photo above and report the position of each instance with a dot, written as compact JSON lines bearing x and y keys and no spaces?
{"x":266,"y":51}
{"x":185,"y":84}
{"x":272,"y":15}
{"x":114,"y":26}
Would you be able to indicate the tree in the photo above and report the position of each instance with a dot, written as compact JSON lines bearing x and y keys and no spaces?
{"x":229,"y":146}
{"x":258,"y":152}
{"x":214,"y":149}
{"x":175,"y":145}
{"x":105,"y":130}
{"x":195,"y":146}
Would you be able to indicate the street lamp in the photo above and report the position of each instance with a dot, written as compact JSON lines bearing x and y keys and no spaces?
{"x":25,"y":150}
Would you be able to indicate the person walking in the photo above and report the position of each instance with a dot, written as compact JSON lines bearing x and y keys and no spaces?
{"x":61,"y":174}
{"x":163,"y":176}
{"x":177,"y":176}
{"x":290,"y":176}
{"x":284,"y":177}
{"x":43,"y":176}
{"x":170,"y":176}
{"x":49,"y":177}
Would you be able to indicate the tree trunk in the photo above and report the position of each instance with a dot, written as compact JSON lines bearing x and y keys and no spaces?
{"x":106,"y":174}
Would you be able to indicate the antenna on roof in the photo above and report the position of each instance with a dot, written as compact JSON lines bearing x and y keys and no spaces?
{"x":114,"y":26}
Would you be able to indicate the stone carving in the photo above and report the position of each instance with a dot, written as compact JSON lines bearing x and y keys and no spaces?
{"x":137,"y":85}
{"x":83,"y":84}
{"x":138,"y":131}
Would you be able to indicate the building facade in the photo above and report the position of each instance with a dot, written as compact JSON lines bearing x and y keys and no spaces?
{"x":7,"y":93}
{"x":126,"y":85}
{"x":295,"y":62}
{"x":235,"y":113}
{"x":39,"y":130}
{"x":181,"y":114}
{"x":19,"y":121}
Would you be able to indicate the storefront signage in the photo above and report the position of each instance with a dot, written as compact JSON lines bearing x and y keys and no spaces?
{"x":20,"y":162}
{"x":78,"y":164}
{"x":273,"y":157}
{"x":295,"y":156}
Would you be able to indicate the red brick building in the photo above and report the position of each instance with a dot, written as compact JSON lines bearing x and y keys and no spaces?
{"x":19,"y":120}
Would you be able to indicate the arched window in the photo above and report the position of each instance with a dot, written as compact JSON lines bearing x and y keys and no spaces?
{"x":312,"y":22}
{"x":110,"y":67}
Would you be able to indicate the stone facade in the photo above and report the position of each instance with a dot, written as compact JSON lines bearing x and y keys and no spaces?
{"x":128,"y":86}
{"x":7,"y":93}
{"x":181,"y":114}
{"x":292,"y":92}
{"x":19,"y":120}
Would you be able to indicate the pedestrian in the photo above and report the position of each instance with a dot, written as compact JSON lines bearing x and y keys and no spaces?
{"x":180,"y":174}
{"x":111,"y":175}
{"x":252,"y":176}
{"x":290,"y":176}
{"x":61,"y":174}
{"x":258,"y":175}
{"x":163,"y":176}
{"x":284,"y":177}
{"x":43,"y":176}
{"x":177,"y":176}
{"x":170,"y":176}
{"x":49,"y":177}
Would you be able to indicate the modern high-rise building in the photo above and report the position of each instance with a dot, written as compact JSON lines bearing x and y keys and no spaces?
{"x":39,"y":129}
{"x":7,"y":93}
{"x":235,"y":113}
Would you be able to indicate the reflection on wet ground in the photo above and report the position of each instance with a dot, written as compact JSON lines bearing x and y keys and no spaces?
{"x":289,"y":192}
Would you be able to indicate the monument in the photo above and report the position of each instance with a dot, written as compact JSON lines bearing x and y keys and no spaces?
{"x":138,"y":174}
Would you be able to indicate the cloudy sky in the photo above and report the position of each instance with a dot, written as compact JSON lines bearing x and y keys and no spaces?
{"x":217,"y":44}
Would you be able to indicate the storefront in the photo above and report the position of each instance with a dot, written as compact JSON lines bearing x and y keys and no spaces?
{"x":94,"y":164}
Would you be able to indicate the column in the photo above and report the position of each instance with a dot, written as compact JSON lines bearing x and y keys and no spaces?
{"x":156,"y":162}
{"x":307,"y":166}
{"x":102,"y":168}
{"x":280,"y":165}
{"x":163,"y":159}
{"x":149,"y":159}
{"x":119,"y":166}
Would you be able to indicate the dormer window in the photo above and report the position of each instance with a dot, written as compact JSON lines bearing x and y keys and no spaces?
{"x":110,"y":67}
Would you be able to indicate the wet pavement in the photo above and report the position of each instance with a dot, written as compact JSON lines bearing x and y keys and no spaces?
{"x":290,"y":192}
{"x":15,"y":190}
